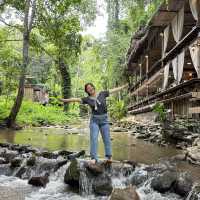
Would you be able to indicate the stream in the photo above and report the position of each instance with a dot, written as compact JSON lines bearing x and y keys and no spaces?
{"x":124,"y":146}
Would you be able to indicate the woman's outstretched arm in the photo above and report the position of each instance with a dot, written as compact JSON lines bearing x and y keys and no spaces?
{"x":114,"y":90}
{"x":71,"y":100}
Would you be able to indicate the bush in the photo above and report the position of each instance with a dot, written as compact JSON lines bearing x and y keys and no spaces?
{"x":34,"y":114}
{"x":117,"y":109}
{"x":159,"y":108}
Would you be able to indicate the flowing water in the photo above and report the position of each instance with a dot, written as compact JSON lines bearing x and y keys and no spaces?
{"x":125,"y":147}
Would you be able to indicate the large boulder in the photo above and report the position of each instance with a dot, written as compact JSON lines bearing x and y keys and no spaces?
{"x":8,"y":154}
{"x":94,"y":174}
{"x":72,"y":174}
{"x":96,"y":169}
{"x":3,"y":161}
{"x":31,"y":161}
{"x":128,"y":193}
{"x":138,"y":177}
{"x":193,"y":155}
{"x":183,"y":184}
{"x":102,"y":185}
{"x":39,"y":181}
{"x":164,"y":182}
{"x":16,"y":162}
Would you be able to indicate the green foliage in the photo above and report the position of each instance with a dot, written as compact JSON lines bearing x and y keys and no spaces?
{"x":34,"y":114}
{"x":117,"y":109}
{"x":10,"y":59}
{"x":124,"y":18}
{"x":159,"y":108}
{"x":90,"y":67}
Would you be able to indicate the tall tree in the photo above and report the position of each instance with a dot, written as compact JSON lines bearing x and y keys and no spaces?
{"x":59,"y":24}
{"x":29,"y":8}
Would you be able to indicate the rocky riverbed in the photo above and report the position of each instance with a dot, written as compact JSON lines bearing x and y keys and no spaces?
{"x":31,"y":173}
{"x":184,"y":134}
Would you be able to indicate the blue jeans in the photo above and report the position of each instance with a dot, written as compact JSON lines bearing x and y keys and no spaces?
{"x":99,"y":123}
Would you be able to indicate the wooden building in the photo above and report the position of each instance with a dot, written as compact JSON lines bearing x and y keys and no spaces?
{"x":35,"y":93}
{"x":164,"y":60}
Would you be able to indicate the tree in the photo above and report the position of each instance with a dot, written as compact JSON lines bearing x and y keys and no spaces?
{"x":59,"y":24}
{"x":29,"y":8}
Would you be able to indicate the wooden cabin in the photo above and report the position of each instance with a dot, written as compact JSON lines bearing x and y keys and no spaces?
{"x":163,"y":61}
{"x":35,"y":93}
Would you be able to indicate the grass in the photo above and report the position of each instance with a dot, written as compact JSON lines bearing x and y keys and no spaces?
{"x":34,"y":114}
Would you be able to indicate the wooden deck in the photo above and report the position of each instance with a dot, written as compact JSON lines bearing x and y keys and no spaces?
{"x":162,"y":97}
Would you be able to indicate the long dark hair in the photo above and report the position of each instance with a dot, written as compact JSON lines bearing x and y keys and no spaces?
{"x":86,"y":87}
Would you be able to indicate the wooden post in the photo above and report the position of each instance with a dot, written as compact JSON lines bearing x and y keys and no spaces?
{"x":137,"y":96}
{"x":172,"y":107}
{"x":162,"y":44}
{"x":147,"y":65}
{"x":140,"y":73}
{"x":147,"y":90}
{"x":135,"y":76}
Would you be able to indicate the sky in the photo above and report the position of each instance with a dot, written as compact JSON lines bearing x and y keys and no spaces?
{"x":98,"y":29}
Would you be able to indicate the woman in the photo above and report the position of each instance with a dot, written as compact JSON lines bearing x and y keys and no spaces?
{"x":98,"y":119}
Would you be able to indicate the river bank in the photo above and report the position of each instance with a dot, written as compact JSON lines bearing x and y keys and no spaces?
{"x":182,"y":133}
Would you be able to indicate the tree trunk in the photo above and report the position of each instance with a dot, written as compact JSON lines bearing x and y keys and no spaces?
{"x":26,"y":36}
{"x":66,"y":81}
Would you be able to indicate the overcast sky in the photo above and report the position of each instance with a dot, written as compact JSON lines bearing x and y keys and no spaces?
{"x":98,"y":29}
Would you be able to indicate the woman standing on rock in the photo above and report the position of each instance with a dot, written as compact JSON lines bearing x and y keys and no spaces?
{"x":98,"y":119}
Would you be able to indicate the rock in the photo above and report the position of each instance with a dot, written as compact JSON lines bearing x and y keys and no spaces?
{"x":195,"y":193}
{"x":95,"y":169}
{"x":48,"y":155}
{"x":143,"y":136}
{"x":16,"y":162}
{"x":196,"y":142}
{"x":119,"y":129}
{"x":183,"y":185}
{"x":59,"y":164}
{"x":128,"y":193}
{"x":179,"y":157}
{"x":3,"y":161}
{"x":72,"y":174}
{"x":181,"y":145}
{"x":119,"y":168}
{"x":193,"y":153}
{"x":64,"y":153}
{"x":31,"y":161}
{"x":102,"y":185}
{"x":7,"y":145}
{"x":164,"y":182}
{"x":9,"y":155}
{"x":100,"y":180}
{"x":138,"y":177}
{"x":76,"y":155}
{"x":131,"y":162}
{"x":39,"y":181}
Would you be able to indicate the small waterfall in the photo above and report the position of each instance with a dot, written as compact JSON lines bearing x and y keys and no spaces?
{"x":85,"y":183}
{"x":17,"y":172}
{"x":146,"y":192}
